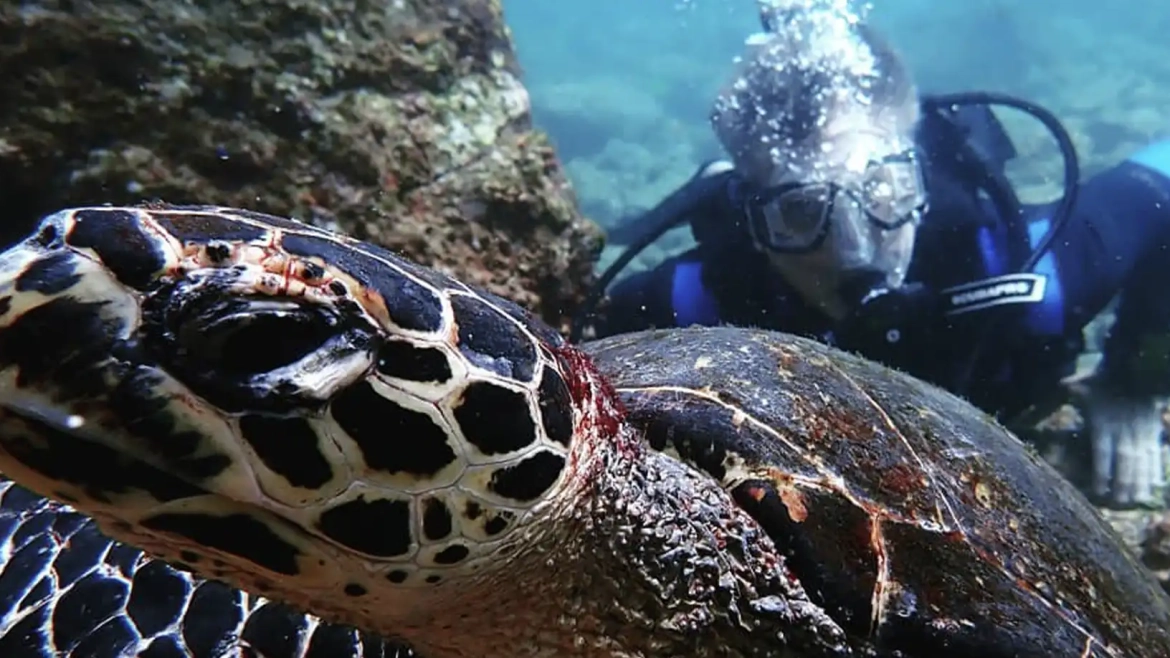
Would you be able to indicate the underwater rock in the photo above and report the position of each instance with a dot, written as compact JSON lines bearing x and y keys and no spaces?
{"x":1147,"y":533}
{"x":1061,"y":440}
{"x":404,"y":123}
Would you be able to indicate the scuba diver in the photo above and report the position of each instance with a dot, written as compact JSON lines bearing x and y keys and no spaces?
{"x":857,"y":212}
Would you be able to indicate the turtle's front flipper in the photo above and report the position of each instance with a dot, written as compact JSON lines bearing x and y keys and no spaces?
{"x":68,"y":591}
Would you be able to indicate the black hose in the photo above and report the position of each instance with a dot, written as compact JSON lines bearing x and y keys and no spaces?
{"x":1072,"y":171}
{"x":1060,"y":214}
{"x":672,"y":211}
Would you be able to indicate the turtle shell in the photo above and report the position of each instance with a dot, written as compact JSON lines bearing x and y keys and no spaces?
{"x":922,"y":526}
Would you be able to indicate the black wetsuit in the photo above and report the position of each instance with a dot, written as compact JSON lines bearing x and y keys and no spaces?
{"x":1117,"y":240}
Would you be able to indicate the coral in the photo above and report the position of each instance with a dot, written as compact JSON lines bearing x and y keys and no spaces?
{"x":405,"y":123}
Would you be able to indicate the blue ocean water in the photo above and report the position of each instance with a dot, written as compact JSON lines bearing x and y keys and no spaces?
{"x":624,"y":86}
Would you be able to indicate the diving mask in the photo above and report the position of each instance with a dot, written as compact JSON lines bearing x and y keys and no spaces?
{"x":795,"y":217}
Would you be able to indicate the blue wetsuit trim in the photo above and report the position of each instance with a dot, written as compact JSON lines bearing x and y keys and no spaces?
{"x":690,"y":300}
{"x":1045,"y":318}
{"x":994,"y":262}
{"x":1155,"y":156}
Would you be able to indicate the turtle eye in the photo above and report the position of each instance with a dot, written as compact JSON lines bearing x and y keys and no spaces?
{"x":254,"y":353}
{"x":249,"y":337}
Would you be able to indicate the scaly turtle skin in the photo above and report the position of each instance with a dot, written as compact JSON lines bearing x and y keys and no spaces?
{"x":318,"y":422}
{"x":69,"y":591}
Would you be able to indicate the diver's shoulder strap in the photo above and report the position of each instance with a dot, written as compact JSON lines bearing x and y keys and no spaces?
{"x":717,"y":213}
{"x":713,"y":168}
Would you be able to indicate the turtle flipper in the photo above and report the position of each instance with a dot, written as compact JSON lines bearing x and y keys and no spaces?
{"x":68,"y":591}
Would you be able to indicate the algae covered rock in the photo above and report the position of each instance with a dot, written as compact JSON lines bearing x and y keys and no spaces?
{"x":403,"y":122}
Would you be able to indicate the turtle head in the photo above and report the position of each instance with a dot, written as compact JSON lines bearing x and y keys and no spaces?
{"x":301,"y":414}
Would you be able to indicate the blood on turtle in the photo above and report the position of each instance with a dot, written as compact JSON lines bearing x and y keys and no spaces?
{"x":318,"y":421}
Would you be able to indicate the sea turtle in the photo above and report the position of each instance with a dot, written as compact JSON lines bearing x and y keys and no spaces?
{"x":315,"y":420}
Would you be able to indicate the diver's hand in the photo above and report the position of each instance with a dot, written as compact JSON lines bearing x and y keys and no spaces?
{"x":1126,"y":435}
{"x":890,"y":323}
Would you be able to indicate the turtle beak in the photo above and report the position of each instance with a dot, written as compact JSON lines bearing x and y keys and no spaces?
{"x":13,"y":262}
{"x":33,"y":258}
{"x":20,"y":264}
{"x":61,"y":313}
{"x":67,"y":341}
{"x":57,"y":299}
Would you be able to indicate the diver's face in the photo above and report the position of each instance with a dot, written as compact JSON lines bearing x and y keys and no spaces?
{"x":848,"y":209}
{"x":854,"y":259}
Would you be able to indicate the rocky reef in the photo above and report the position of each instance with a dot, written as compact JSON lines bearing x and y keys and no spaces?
{"x":404,"y":123}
